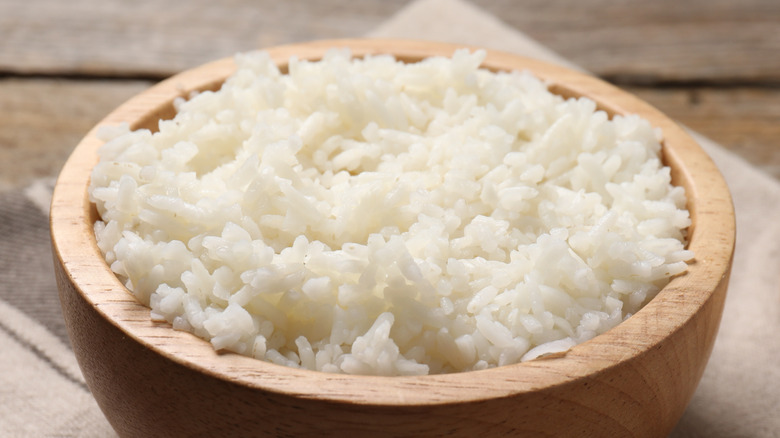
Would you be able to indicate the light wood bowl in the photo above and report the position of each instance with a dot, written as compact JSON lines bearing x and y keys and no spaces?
{"x":634,"y":380}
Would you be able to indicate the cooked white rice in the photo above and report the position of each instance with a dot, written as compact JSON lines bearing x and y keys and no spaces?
{"x":373,"y":217}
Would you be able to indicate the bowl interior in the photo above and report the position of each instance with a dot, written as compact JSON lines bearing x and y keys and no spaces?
{"x":710,"y":237}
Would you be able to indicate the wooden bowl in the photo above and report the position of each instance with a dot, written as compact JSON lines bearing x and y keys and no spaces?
{"x":634,"y":380}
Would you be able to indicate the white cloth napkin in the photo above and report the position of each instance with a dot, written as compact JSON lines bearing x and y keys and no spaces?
{"x":42,"y":392}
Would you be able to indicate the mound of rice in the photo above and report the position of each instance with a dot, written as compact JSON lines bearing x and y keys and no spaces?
{"x":373,"y":217}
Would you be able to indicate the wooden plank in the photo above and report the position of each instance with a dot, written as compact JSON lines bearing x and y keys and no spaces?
{"x":150,"y":38}
{"x":42,"y":121}
{"x":743,"y":119}
{"x":652,"y":41}
{"x":635,"y":40}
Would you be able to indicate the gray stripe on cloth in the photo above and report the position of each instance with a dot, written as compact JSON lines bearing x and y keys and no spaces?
{"x":26,"y":269}
{"x":42,"y":392}
{"x":43,"y":356}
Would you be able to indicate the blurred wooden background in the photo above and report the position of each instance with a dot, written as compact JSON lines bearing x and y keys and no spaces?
{"x":713,"y":65}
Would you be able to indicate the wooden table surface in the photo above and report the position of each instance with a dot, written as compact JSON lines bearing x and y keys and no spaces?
{"x":713,"y":65}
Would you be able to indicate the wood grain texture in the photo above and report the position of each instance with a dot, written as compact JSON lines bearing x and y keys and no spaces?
{"x":744,"y":120}
{"x":42,"y":120}
{"x":157,"y":39}
{"x":634,"y":380}
{"x":667,"y":40}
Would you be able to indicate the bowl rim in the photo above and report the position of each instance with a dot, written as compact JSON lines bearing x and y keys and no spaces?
{"x":711,"y":237}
